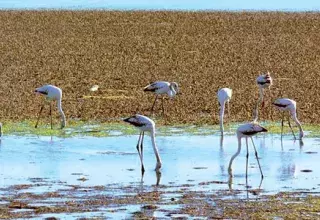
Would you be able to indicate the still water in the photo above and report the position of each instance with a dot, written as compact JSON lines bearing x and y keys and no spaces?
{"x":287,"y":165}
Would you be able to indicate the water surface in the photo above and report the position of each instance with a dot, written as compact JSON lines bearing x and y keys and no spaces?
{"x":287,"y":165}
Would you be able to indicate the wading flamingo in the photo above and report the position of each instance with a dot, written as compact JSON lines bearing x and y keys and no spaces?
{"x":284,"y":104}
{"x":247,"y":130}
{"x":263,"y":81}
{"x":161,"y":88}
{"x":224,"y":96}
{"x":51,"y":93}
{"x":145,"y":124}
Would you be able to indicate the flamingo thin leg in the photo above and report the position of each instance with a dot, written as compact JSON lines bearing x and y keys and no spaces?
{"x":158,"y":174}
{"x":271,"y":112}
{"x":39,"y":116}
{"x":256,"y":153}
{"x":51,"y":115}
{"x":141,"y":147}
{"x":152,"y":108}
{"x":162,"y":106}
{"x":247,"y":158}
{"x":138,"y":145}
{"x":282,"y":124}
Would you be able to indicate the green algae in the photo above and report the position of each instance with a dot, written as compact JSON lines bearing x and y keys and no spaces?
{"x":106,"y":129}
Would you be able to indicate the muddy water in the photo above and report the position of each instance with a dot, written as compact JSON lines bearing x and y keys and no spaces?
{"x":287,"y":165}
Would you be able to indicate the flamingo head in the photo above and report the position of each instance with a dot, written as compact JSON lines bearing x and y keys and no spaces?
{"x":40,"y":91}
{"x":174,"y":86}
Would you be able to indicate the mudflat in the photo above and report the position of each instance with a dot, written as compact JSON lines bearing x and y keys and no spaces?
{"x":122,"y":52}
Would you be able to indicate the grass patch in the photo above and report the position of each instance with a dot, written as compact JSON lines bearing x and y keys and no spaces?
{"x":74,"y":128}
{"x":105,"y":129}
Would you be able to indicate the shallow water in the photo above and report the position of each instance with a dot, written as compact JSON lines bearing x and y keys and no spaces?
{"x":55,"y":163}
{"x":195,"y":163}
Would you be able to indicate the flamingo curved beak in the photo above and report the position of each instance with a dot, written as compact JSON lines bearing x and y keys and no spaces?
{"x":41,"y":92}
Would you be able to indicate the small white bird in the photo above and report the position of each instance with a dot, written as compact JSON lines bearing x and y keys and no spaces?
{"x":247,"y":130}
{"x":52,"y":93}
{"x":224,"y":96}
{"x":145,"y":124}
{"x":284,"y":104}
{"x":263,"y":81}
{"x":161,"y":88}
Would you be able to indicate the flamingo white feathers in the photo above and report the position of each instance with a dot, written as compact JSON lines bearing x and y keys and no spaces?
{"x":51,"y":93}
{"x":144,"y":124}
{"x":246,"y":131}
{"x":289,"y":105}
{"x":224,"y":96}
{"x":162,"y":88}
{"x":263,"y":81}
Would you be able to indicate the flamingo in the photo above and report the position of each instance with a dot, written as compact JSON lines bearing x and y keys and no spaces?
{"x":263,"y":81}
{"x":51,"y":93}
{"x":224,"y":96}
{"x":144,"y":124}
{"x":161,"y":88}
{"x":284,"y":104}
{"x":247,"y":130}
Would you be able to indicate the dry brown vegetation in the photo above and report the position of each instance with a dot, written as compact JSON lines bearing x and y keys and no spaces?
{"x":124,"y":51}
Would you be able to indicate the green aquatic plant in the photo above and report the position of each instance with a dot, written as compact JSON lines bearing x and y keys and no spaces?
{"x":105,"y":129}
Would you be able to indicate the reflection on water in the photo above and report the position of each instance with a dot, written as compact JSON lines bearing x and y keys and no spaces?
{"x":230,"y":181}
{"x":113,"y":160}
{"x":158,"y":178}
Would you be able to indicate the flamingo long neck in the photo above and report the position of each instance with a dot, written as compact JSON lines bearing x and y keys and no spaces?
{"x":172,"y":92}
{"x":155,"y":149}
{"x":294,"y":117}
{"x":235,"y":155}
{"x":221,"y":115}
{"x":256,"y":111}
{"x":63,"y":117}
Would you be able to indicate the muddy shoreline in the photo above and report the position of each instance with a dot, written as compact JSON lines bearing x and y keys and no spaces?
{"x":101,"y":202}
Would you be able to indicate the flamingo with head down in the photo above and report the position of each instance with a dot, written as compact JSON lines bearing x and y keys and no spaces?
{"x":224,"y":96}
{"x":289,"y":105}
{"x":247,"y":131}
{"x":51,"y":93}
{"x":144,"y":124}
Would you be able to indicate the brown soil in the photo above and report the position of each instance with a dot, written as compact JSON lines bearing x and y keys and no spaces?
{"x":123,"y":51}
{"x":222,"y":204}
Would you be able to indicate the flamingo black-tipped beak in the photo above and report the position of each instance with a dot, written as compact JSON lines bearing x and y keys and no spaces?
{"x":126,"y":120}
{"x":264,"y":129}
{"x":41,"y":92}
